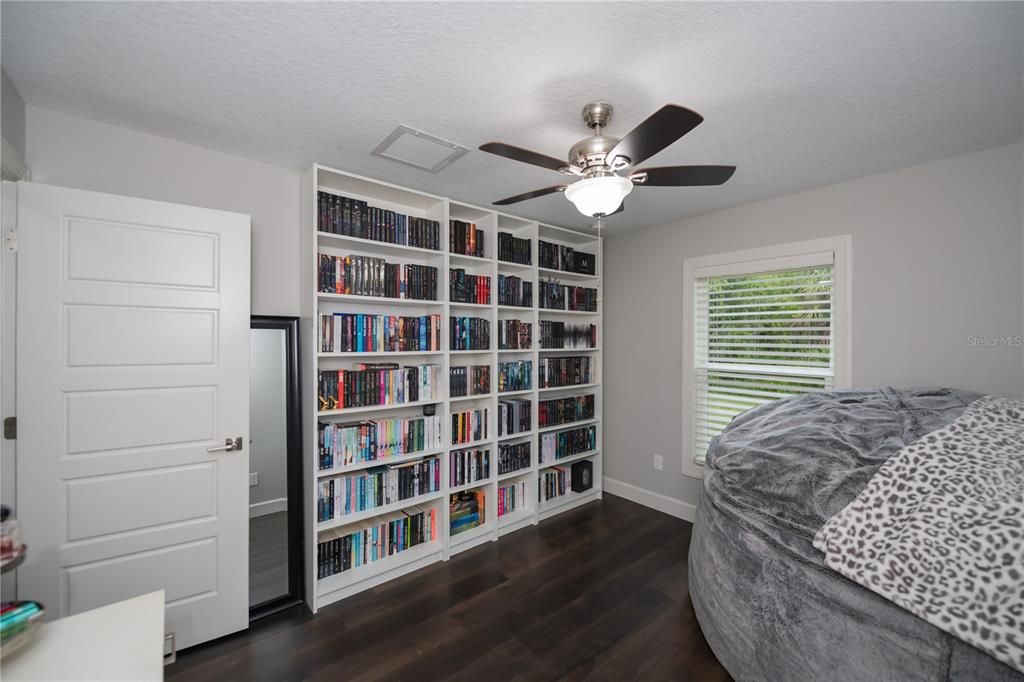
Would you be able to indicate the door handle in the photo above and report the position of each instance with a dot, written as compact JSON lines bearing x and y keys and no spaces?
{"x":230,"y":445}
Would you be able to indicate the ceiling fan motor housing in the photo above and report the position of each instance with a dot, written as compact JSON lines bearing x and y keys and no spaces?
{"x":589,"y":154}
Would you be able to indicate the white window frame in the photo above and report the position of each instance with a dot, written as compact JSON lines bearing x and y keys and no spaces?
{"x":837,"y":251}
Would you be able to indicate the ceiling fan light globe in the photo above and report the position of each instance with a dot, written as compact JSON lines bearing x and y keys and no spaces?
{"x":598,"y":196}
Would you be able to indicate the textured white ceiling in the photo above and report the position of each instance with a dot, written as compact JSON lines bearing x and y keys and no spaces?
{"x":796,"y":95}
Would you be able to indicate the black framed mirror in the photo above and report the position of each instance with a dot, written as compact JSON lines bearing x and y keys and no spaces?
{"x":275,"y":466}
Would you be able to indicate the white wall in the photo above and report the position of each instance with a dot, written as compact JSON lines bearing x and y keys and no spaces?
{"x":268,"y":425}
{"x":937,"y":258}
{"x":76,"y":152}
{"x":12,"y":115}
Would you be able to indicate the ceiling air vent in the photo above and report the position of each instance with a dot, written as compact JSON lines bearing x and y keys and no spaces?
{"x":416,"y":148}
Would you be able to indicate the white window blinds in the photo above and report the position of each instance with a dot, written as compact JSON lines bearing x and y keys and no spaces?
{"x":759,"y":337}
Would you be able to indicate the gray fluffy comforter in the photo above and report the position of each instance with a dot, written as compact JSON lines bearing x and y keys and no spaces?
{"x":768,"y":606}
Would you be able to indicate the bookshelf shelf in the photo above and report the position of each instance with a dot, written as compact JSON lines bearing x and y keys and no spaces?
{"x":470,"y":486}
{"x":377,"y":408}
{"x":514,"y":436}
{"x":373,"y":247}
{"x":525,"y":514}
{"x":568,"y":388}
{"x":457,"y":257}
{"x":471,"y":306}
{"x":559,"y":311}
{"x":505,"y":394}
{"x":473,"y":444}
{"x":514,"y":474}
{"x":569,"y":460}
{"x":565,"y":502}
{"x":358,"y":517}
{"x":549,"y":273}
{"x":461,"y":398}
{"x":379,"y":300}
{"x":380,"y":354}
{"x":359,"y":466}
{"x":568,"y":425}
{"x":425,"y":220}
{"x":468,"y":539}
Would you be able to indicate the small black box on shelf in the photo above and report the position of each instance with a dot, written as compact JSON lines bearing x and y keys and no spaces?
{"x":582,"y":476}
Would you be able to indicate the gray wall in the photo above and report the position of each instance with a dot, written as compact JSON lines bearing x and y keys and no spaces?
{"x":75,"y":152}
{"x":267,"y":414}
{"x":937,"y":258}
{"x":12,"y":115}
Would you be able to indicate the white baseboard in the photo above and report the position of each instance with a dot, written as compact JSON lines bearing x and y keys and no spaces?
{"x":279,"y":504}
{"x":663,"y":503}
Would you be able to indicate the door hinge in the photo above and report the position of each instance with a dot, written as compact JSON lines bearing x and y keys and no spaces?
{"x":11,"y":239}
{"x":10,"y":428}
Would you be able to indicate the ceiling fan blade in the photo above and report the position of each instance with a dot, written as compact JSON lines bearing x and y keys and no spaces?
{"x":530,"y":195}
{"x":525,"y":155}
{"x":682,"y":176}
{"x":661,"y":129}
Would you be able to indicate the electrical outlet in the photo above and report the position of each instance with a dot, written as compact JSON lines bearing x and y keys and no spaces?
{"x":254,"y":478}
{"x":659,"y":462}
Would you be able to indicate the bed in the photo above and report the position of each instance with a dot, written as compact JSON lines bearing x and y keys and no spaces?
{"x":768,"y":606}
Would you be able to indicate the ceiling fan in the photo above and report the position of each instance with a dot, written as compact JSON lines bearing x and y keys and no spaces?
{"x":597,"y":160}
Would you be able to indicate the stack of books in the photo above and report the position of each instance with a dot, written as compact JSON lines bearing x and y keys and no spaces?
{"x":466,"y":510}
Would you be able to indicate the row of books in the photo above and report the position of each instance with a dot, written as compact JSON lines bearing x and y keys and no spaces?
{"x":382,"y":485}
{"x":561,"y":444}
{"x":473,"y":380}
{"x":340,"y":550}
{"x":565,"y":258}
{"x":469,"y":426}
{"x":466,"y":288}
{"x":515,"y":375}
{"x":565,"y":410}
{"x":567,"y":335}
{"x":513,"y":457}
{"x":376,"y":440}
{"x":555,"y":296}
{"x":512,"y":249}
{"x":569,"y":370}
{"x":515,"y":291}
{"x":355,"y":218}
{"x":554,"y":482}
{"x":515,"y":335}
{"x":511,"y":497}
{"x":378,"y":384}
{"x":465,"y":239}
{"x":514,"y":416}
{"x":356,"y":332}
{"x":469,"y":466}
{"x":370,"y":276}
{"x":470,"y":333}
{"x":466,"y":510}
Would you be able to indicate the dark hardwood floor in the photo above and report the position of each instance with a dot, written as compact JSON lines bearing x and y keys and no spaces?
{"x":599,"y":593}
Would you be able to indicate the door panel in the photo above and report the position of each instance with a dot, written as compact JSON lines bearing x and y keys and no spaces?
{"x":133,"y":361}
{"x":104,"y":336}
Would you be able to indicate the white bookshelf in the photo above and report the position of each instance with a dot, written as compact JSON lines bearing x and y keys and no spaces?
{"x":320,"y":592}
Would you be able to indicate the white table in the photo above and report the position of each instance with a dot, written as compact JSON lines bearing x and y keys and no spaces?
{"x":122,"y":641}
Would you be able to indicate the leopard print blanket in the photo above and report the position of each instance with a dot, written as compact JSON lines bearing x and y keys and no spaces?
{"x":939,"y":529}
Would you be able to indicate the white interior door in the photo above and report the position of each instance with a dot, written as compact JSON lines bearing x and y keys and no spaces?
{"x":133,"y":361}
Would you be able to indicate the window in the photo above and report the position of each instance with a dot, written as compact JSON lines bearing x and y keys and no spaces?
{"x":760,"y":325}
